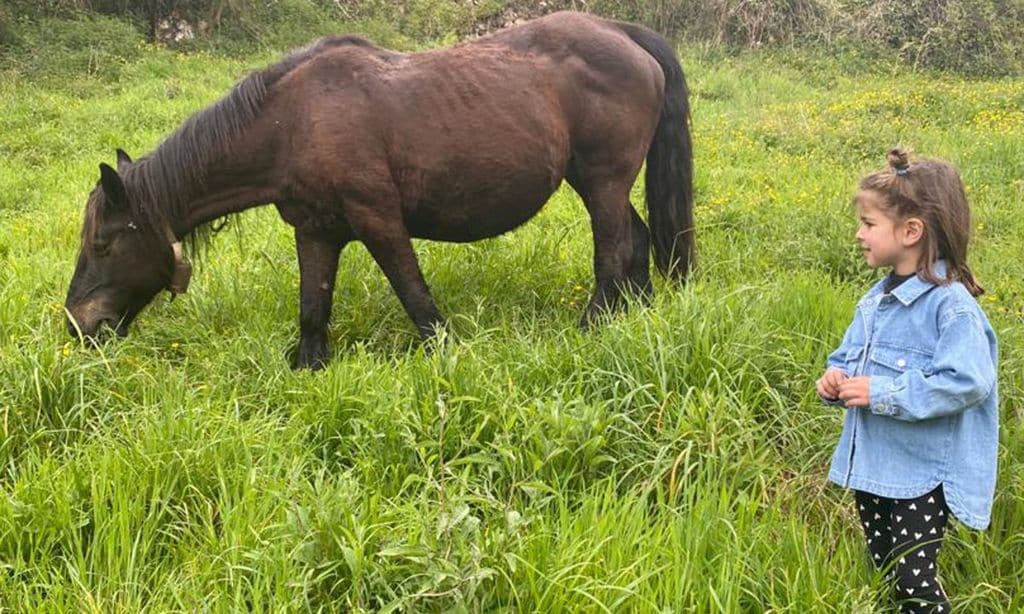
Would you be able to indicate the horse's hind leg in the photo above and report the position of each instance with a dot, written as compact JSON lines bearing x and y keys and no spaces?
{"x":639,"y":276}
{"x":383,"y":232}
{"x":615,"y":258}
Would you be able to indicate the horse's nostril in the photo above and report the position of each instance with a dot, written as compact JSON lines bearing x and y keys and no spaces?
{"x":77,"y":331}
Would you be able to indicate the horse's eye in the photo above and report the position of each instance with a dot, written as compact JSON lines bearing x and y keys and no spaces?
{"x":101,"y":248}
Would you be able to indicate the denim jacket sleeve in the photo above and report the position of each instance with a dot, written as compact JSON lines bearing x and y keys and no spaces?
{"x":961,"y":376}
{"x":837,"y":360}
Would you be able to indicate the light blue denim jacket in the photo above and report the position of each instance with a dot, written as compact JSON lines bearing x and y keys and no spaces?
{"x":933,"y":416}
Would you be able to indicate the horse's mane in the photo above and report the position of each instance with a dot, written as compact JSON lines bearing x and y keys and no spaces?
{"x":162,"y":183}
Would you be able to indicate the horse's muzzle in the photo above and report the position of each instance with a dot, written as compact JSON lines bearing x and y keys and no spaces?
{"x":90,"y":322}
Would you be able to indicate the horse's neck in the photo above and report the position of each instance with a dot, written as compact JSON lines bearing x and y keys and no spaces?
{"x":235,"y":181}
{"x":228,"y":191}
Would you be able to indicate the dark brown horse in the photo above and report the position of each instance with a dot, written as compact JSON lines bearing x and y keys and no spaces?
{"x":354,"y":142}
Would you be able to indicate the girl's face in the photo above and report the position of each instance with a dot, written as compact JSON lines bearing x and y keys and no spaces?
{"x":884,"y":241}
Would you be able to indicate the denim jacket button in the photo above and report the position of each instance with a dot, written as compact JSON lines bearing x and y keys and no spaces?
{"x":901,"y":363}
{"x":879,"y":407}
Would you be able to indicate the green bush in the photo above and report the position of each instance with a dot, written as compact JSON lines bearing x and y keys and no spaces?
{"x":426,"y":20}
{"x":8,"y":34}
{"x":51,"y":48}
{"x":287,"y":24}
{"x":970,"y":36}
{"x":974,"y":36}
{"x":746,"y":23}
{"x":32,"y":9}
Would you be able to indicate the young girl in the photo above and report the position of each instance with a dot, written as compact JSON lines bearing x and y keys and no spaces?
{"x":916,"y":372}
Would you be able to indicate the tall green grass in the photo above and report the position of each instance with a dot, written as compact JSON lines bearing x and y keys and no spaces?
{"x":673,"y":459}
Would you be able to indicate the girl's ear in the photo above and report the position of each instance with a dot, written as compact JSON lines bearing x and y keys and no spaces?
{"x":913,"y":230}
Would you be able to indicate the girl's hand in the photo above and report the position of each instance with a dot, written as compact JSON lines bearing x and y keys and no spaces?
{"x":828,"y":384}
{"x":856,"y":391}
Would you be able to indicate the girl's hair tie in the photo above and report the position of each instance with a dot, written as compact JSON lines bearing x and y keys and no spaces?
{"x":899,"y":161}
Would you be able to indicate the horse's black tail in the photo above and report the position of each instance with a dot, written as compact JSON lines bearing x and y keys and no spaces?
{"x":669,"y":176}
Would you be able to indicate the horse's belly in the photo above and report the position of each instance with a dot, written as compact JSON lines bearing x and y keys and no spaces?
{"x":465,"y":194}
{"x":479,"y":167}
{"x":478,"y":214}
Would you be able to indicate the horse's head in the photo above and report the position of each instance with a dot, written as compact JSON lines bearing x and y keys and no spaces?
{"x":123,"y":263}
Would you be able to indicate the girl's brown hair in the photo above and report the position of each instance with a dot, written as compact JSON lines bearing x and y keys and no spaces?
{"x":932,"y":191}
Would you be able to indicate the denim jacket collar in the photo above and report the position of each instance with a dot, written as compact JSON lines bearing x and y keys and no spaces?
{"x":910,"y":290}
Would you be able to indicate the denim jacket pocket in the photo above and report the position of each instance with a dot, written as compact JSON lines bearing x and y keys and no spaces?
{"x":895,"y":361}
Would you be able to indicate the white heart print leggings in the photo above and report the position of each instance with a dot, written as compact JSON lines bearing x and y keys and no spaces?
{"x":904,"y":538}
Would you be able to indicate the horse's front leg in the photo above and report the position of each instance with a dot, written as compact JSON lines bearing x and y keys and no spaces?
{"x":379,"y":225}
{"x":318,"y":266}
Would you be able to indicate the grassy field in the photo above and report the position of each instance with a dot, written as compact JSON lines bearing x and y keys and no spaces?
{"x":671,"y":460}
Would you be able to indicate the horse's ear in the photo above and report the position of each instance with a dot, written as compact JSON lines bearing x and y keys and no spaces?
{"x":113,"y":187}
{"x":123,"y":159}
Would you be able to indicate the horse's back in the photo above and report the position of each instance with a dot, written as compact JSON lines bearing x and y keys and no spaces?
{"x":481,"y":131}
{"x":473,"y":139}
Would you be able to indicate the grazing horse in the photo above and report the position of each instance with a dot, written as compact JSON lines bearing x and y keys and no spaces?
{"x":352,"y":142}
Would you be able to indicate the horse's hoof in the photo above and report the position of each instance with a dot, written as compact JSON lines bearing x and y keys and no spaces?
{"x":312,"y":360}
{"x":312,"y":365}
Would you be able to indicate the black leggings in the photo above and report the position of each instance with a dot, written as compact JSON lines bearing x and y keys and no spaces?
{"x":904,"y":538}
